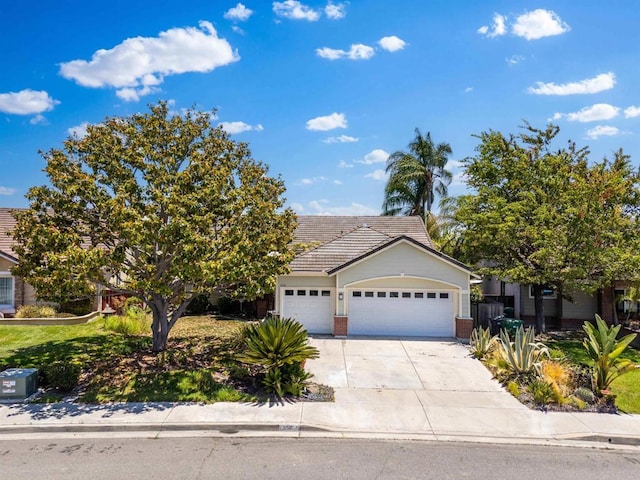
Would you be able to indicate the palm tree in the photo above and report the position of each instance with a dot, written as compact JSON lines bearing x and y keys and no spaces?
{"x":416,"y":176}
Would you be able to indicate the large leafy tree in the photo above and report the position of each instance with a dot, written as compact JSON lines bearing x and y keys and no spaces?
{"x":550,"y":218}
{"x":416,"y":176}
{"x":159,"y":206}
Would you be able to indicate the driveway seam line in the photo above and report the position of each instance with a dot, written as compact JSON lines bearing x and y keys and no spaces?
{"x":412,"y":364}
{"x":344,"y":361}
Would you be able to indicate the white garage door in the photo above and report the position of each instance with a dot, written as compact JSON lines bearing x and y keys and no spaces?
{"x":402,"y":313}
{"x":313,"y":307}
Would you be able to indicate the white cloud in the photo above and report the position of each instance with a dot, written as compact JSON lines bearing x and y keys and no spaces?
{"x":337,"y":182}
{"x":468,"y":90}
{"x":594,"y":113}
{"x":318,"y":207}
{"x":311,"y":181}
{"x":632,"y":112}
{"x":391,"y":43}
{"x":538,"y":24}
{"x":459,"y":178}
{"x":358,"y":51}
{"x":377,"y":175}
{"x":341,"y":139}
{"x":239,"y":127}
{"x":7,"y":190}
{"x":514,"y":59}
{"x":239,"y":13}
{"x":26,"y":102}
{"x":454,"y":164}
{"x":138,"y":65}
{"x":295,"y":10}
{"x":599,"y":83}
{"x":79,"y":131}
{"x":335,"y":11}
{"x":39,"y":119}
{"x":344,"y":164}
{"x":497,"y":29}
{"x":602,"y":130}
{"x":298,"y":207}
{"x":306,"y":181}
{"x":327,"y":122}
{"x":237,"y":29}
{"x":375,"y":156}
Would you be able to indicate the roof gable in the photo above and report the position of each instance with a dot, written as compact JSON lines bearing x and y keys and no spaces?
{"x":7,"y":224}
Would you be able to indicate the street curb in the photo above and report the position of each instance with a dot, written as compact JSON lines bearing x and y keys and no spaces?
{"x":156,"y":430}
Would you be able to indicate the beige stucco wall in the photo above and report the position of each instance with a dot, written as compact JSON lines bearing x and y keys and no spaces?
{"x":403,"y":265}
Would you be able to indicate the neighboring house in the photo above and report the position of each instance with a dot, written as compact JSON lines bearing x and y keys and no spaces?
{"x":562,"y":313}
{"x":13,"y":291}
{"x":374,"y":276}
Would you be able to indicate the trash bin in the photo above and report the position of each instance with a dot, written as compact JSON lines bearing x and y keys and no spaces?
{"x":509,"y":312}
{"x":510,"y":325}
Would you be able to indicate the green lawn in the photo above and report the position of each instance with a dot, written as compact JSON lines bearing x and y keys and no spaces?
{"x":626,"y":388}
{"x":198,"y":366}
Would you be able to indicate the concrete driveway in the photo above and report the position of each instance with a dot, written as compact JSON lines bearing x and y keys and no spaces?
{"x":437,"y":372}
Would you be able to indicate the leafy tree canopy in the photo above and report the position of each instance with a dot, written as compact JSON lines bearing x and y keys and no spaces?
{"x":550,"y":217}
{"x":159,"y":206}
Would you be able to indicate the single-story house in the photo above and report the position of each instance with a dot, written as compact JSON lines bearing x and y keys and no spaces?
{"x":373,"y":275}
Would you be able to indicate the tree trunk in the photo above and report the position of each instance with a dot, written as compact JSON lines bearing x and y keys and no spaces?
{"x":613,"y":305}
{"x":538,"y":303}
{"x":160,"y":324}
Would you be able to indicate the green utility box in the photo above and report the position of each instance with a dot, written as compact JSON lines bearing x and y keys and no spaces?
{"x":18,"y":383}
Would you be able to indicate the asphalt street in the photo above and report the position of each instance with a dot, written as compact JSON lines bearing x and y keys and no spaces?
{"x":265,"y":458}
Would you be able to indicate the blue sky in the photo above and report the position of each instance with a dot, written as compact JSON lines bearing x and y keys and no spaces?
{"x":322,"y":91}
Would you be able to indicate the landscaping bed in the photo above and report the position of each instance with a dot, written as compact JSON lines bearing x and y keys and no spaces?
{"x":199,"y":365}
{"x":556,"y":372}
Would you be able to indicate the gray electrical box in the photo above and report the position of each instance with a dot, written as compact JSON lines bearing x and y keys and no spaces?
{"x":18,"y":383}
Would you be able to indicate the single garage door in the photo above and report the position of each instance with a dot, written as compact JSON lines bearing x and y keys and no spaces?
{"x":401,"y":312}
{"x":313,"y":307}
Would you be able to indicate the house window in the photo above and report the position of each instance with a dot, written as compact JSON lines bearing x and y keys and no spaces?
{"x":368,"y":294}
{"x":302,"y":293}
{"x":547,"y":292}
{"x":313,"y":293}
{"x":431,"y":294}
{"x":406,"y":294}
{"x":393,"y":294}
{"x":6,"y":290}
{"x":382,"y":294}
{"x":326,"y":293}
{"x":418,"y":295}
{"x":444,"y":295}
{"x":356,"y":294}
{"x":288,"y":293}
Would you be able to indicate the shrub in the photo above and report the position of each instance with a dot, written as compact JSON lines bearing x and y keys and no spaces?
{"x":62,"y":374}
{"x":559,"y":376}
{"x":79,"y":307}
{"x":227,"y":305}
{"x":524,"y":354}
{"x":279,"y":346}
{"x":584,"y":394}
{"x":513,"y":388}
{"x":541,"y":391}
{"x":604,"y":349}
{"x":134,"y":321}
{"x":199,"y":305}
{"x":35,"y":311}
{"x":481,"y":342}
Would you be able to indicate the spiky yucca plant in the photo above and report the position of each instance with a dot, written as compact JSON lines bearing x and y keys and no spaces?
{"x":604,"y":349}
{"x":481,"y":342}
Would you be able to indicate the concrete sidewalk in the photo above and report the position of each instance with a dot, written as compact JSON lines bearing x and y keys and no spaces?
{"x":357,"y":414}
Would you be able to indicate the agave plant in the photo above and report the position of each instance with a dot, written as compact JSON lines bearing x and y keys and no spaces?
{"x":523,"y":355}
{"x":481,"y":341}
{"x":604,"y":349}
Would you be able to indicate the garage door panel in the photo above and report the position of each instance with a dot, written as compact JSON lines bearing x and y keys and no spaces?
{"x":401,"y":313}
{"x":312,"y":307}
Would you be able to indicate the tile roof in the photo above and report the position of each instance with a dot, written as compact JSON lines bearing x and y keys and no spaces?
{"x":7,"y":223}
{"x":336,"y":241}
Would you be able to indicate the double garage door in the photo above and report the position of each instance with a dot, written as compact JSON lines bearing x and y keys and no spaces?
{"x":401,"y":312}
{"x":374,"y":312}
